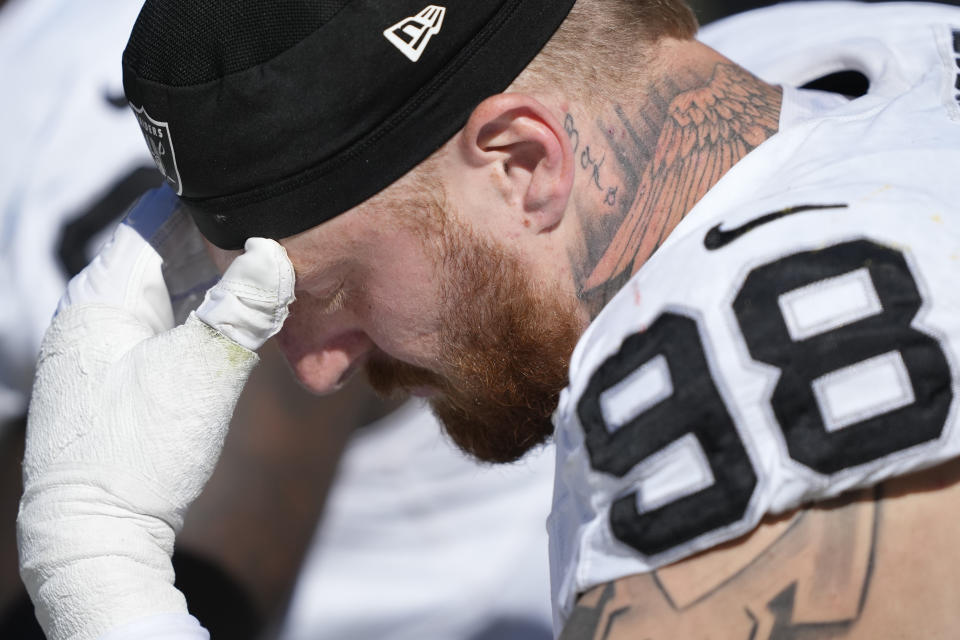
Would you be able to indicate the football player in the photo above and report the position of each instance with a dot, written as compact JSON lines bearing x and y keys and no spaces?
{"x":729,"y":301}
{"x":73,"y":162}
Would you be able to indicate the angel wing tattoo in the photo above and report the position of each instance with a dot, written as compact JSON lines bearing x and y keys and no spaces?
{"x":705,"y":132}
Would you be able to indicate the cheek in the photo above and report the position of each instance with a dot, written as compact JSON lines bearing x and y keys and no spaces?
{"x":403,"y":313}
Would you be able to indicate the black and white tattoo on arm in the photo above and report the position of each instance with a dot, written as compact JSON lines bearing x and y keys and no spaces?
{"x":811,"y":582}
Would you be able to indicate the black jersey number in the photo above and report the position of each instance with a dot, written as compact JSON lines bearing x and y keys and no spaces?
{"x":806,"y":361}
{"x":878,"y":338}
{"x":694,"y":407}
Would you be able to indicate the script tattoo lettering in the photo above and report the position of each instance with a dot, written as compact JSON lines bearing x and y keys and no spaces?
{"x":589,"y":162}
{"x":666,"y":154}
{"x":611,"y":198}
{"x":572,"y":131}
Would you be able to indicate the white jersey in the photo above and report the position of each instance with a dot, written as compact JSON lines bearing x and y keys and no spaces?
{"x":73,"y":159}
{"x":798,"y":334}
{"x":417,"y":541}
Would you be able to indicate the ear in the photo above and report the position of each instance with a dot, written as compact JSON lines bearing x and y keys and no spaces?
{"x":529,"y":152}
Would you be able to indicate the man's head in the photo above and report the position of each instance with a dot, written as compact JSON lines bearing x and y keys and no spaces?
{"x":503,"y":344}
{"x":268,"y":118}
{"x":452,"y":280}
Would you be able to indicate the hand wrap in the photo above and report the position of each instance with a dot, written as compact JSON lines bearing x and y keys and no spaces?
{"x":127,"y":420}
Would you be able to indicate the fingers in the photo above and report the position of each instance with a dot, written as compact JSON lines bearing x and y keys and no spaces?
{"x":250,"y":303}
{"x":127,"y":273}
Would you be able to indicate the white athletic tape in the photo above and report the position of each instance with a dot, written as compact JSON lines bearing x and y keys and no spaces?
{"x":126,"y":423}
{"x":257,"y":288}
{"x":125,"y":274}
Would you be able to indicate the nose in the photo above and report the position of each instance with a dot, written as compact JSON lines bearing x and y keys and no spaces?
{"x":324,"y":350}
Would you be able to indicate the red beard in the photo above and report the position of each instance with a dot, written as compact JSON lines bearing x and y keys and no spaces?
{"x":504,"y":353}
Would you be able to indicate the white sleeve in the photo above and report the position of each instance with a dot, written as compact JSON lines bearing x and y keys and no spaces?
{"x":166,"y":626}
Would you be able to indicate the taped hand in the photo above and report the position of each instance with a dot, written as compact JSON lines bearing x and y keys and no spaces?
{"x":127,"y":420}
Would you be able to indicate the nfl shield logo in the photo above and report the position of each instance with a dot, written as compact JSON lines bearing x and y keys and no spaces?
{"x":157,"y":135}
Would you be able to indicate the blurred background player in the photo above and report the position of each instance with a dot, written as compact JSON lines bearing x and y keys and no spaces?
{"x":446,"y":548}
{"x":71,"y":162}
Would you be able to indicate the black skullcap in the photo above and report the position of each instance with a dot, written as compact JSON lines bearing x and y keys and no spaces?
{"x":269,"y":117}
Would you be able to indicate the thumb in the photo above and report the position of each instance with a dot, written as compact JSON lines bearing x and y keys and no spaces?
{"x":250,"y":302}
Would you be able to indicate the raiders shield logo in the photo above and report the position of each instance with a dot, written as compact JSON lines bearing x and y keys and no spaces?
{"x":157,"y":135}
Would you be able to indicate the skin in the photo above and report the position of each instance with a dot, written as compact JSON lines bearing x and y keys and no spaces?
{"x":584,"y":194}
{"x":349,"y":303}
{"x":879,"y":563}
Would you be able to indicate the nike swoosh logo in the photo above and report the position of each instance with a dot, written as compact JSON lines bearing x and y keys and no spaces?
{"x":115,"y":100}
{"x":717,"y":237}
